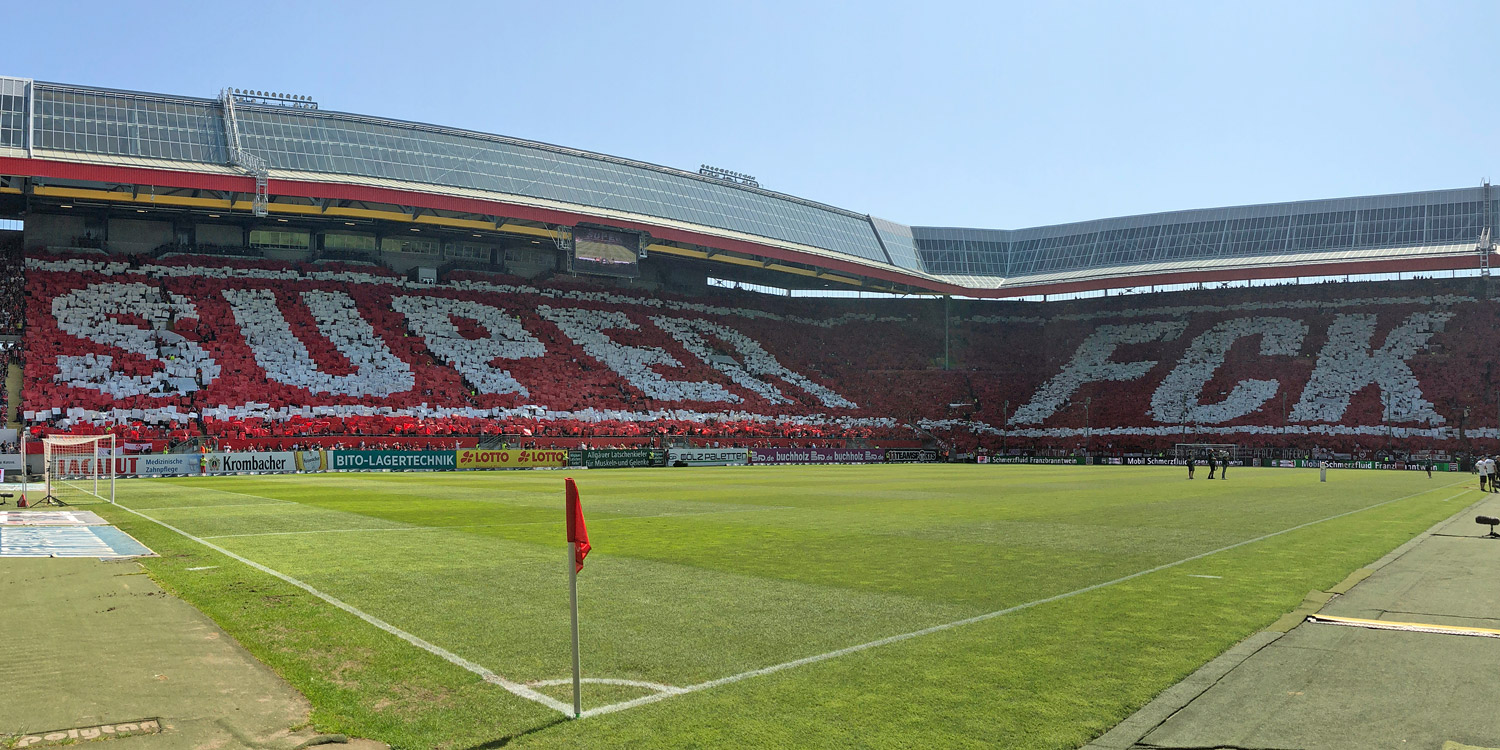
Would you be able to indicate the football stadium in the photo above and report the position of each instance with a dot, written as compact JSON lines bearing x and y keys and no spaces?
{"x":292,"y":397}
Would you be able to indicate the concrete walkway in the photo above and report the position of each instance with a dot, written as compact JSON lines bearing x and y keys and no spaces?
{"x":1326,"y":687}
{"x":97,"y":648}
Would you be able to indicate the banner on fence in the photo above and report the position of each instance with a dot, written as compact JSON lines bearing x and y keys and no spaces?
{"x":708,"y":456}
{"x":393,"y":461}
{"x":474,"y":458}
{"x":816,"y":456}
{"x":10,"y":462}
{"x":910,"y":455}
{"x":615,"y":458}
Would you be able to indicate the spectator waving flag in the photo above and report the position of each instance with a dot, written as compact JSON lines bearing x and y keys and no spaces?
{"x":577,"y":533}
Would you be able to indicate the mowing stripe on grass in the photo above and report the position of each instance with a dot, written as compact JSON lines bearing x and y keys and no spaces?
{"x":611,"y":708}
{"x":488,"y":676}
{"x":596,"y":521}
{"x":232,"y":492}
{"x":227,"y":505}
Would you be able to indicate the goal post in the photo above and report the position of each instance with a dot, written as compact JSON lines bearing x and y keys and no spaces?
{"x":78,"y":468}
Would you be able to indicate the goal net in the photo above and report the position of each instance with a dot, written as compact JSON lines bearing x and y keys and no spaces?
{"x":1201,"y":451}
{"x":79,"y":468}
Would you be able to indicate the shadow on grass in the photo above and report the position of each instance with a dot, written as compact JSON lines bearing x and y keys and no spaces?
{"x":507,"y":739}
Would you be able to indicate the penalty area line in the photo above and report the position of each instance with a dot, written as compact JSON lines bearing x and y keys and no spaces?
{"x":888,"y":640}
{"x":514,"y":688}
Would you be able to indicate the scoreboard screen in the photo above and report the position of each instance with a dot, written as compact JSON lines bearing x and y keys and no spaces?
{"x":606,"y":253}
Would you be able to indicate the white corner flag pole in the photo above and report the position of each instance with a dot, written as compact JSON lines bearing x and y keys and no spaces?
{"x":573,"y":595}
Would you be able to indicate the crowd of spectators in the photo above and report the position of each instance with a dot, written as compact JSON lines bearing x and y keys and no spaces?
{"x":12,"y":286}
{"x":330,"y":353}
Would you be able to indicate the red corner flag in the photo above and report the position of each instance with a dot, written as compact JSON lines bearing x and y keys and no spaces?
{"x":576,"y":530}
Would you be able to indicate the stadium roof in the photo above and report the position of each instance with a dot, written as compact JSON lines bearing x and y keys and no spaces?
{"x":61,"y":131}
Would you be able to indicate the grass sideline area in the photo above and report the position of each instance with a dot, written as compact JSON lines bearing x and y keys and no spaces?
{"x":702,"y":574}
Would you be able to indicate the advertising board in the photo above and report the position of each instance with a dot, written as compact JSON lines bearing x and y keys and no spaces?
{"x":708,"y":456}
{"x":1051,"y":460}
{"x":314,"y":460}
{"x":279,"y":462}
{"x":615,"y":458}
{"x":163,"y":465}
{"x":910,"y":455}
{"x":393,"y":461}
{"x":474,"y":458}
{"x":816,"y":456}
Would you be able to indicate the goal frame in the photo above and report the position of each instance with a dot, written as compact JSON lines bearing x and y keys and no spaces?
{"x":100,"y":455}
{"x":1183,"y":450}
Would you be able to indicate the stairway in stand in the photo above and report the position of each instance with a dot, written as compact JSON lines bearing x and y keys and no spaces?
{"x":12,"y":395}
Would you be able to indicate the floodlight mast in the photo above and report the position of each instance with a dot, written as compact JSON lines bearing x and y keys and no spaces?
{"x":727,"y":175}
{"x":1486,"y":244}
{"x":238,"y":156}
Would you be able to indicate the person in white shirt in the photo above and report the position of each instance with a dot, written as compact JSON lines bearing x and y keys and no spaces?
{"x":1483,"y":467}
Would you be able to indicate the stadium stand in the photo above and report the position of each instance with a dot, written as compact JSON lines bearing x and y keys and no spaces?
{"x":12,"y":284}
{"x":256,"y":273}
{"x":257,"y":352}
{"x":259,"y":349}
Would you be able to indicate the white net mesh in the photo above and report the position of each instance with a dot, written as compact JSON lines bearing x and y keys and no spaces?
{"x":1203,"y":450}
{"x":79,"y":469}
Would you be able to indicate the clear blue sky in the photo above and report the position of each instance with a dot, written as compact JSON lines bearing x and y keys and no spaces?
{"x":952,"y":114}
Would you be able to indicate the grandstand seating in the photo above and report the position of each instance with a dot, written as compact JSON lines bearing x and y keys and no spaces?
{"x":12,"y":285}
{"x":260,"y":352}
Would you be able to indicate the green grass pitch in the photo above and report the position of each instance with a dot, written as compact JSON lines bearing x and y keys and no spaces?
{"x":703,"y":574}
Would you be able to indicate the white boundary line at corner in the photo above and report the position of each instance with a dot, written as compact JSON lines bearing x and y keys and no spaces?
{"x":488,"y":676}
{"x":613,"y":707}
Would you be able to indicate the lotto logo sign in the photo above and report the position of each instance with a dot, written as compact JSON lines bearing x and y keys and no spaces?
{"x":481,"y":459}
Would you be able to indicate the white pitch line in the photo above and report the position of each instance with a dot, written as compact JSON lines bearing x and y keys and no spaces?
{"x":613,"y":707}
{"x":514,"y":688}
{"x":204,"y":567}
{"x":1199,"y":575}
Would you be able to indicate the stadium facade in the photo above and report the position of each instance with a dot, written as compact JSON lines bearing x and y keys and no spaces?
{"x":261,"y":169}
